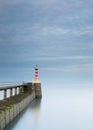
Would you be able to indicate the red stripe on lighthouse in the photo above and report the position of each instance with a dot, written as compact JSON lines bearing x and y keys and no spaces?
{"x":36,"y":71}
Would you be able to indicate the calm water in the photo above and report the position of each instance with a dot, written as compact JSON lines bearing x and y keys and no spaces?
{"x":59,"y":109}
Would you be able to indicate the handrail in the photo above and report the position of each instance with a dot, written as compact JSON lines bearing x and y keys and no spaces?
{"x":9,"y":87}
{"x":17,"y":89}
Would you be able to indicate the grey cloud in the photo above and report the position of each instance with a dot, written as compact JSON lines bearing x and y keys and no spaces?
{"x":72,"y":68}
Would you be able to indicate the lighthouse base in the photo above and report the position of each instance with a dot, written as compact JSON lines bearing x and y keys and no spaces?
{"x":38,"y":91}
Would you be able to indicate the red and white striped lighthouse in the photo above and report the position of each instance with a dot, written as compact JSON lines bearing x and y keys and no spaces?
{"x":36,"y":77}
{"x":36,"y":71}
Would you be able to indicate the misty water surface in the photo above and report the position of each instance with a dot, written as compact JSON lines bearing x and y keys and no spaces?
{"x":59,"y":109}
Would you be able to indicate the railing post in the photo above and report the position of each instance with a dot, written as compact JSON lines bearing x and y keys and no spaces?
{"x":5,"y":93}
{"x":11,"y":92}
{"x":16,"y":91}
{"x":22,"y":89}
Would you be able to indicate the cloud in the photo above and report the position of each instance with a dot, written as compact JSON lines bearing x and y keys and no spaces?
{"x":45,"y":32}
{"x":56,"y":31}
{"x":44,"y":2}
{"x":59,"y":31}
{"x":55,"y":58}
{"x":79,"y":68}
{"x":27,"y":57}
{"x":70,"y":68}
{"x":27,"y":33}
{"x":10,"y":2}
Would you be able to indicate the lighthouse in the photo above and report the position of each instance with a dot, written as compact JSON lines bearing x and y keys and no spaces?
{"x":36,"y":77}
{"x":36,"y":83}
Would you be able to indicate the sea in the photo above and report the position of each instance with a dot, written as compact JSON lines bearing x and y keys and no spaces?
{"x":61,"y":108}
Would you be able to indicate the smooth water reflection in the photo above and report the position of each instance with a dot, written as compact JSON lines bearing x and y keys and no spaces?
{"x":59,"y":109}
{"x":27,"y":118}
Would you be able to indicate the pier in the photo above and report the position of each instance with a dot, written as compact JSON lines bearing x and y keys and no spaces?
{"x":13,"y":104}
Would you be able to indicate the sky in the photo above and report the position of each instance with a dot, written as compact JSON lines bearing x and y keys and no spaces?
{"x":57,"y":35}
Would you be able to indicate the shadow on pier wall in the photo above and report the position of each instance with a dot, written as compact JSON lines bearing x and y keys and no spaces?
{"x":34,"y":106}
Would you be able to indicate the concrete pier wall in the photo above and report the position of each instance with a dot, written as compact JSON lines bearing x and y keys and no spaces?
{"x":7,"y":115}
{"x":38,"y":92}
